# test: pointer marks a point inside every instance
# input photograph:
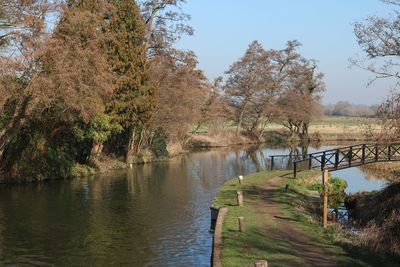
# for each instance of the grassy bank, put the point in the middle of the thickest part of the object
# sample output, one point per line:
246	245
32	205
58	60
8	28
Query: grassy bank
259	242
326	129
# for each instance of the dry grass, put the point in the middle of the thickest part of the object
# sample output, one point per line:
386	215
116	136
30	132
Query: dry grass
175	148
338	128
220	138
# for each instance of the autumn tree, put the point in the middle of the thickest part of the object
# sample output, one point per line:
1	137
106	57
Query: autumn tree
257	80
69	85
247	79
183	89
22	34
300	102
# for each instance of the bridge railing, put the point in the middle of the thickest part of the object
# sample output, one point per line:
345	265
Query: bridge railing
343	157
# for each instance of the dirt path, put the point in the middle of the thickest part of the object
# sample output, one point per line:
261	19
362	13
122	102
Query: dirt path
308	250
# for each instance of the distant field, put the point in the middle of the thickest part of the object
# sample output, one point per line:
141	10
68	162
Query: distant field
332	127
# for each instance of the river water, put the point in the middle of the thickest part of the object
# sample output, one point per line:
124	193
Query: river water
154	215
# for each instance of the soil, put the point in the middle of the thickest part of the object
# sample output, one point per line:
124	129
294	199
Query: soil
310	251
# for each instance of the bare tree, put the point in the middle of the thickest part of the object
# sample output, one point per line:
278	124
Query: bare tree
380	39
182	92
165	23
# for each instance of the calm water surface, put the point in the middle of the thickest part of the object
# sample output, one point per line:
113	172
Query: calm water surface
154	215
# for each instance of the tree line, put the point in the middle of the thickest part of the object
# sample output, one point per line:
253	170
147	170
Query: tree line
346	109
80	79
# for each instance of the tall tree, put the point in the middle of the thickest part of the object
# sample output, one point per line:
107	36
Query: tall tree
182	92
22	34
133	103
300	103
70	84
247	79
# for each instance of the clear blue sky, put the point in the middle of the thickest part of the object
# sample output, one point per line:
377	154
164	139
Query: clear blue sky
225	28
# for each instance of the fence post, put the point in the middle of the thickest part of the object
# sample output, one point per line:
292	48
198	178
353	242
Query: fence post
241	224
323	162
272	163
389	152
325	181
350	155
376	152
294	169
239	198
363	154
337	158
310	162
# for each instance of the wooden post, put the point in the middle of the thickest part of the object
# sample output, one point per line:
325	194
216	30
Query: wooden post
376	152
241	224
323	161
240	177
337	159
334	216
310	162
294	169
261	264
350	155
272	163
239	198
389	152
325	182
363	154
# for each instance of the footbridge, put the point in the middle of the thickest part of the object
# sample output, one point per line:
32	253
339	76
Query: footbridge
343	157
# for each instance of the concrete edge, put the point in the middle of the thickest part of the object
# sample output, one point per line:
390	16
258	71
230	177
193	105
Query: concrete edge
217	239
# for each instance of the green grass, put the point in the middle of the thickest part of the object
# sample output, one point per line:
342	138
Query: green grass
258	243
255	243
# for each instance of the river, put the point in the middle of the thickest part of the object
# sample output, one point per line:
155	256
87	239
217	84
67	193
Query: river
154	215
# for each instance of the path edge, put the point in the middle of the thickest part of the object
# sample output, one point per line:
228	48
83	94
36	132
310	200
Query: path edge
217	238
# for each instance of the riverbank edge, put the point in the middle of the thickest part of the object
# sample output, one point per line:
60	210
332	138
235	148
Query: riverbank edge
335	240
105	163
217	238
271	139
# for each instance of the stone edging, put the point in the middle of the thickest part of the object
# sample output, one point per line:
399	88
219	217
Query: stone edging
217	239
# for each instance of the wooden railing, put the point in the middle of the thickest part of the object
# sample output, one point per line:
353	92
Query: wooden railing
344	157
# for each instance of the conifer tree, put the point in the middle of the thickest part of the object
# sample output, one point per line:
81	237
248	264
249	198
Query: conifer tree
133	103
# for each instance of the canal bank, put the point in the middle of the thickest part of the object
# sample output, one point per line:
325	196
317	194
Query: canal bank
283	227
155	214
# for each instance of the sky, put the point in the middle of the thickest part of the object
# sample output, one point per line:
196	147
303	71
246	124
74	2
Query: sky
225	28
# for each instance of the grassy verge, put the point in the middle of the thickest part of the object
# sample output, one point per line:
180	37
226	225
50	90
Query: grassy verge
255	243
258	242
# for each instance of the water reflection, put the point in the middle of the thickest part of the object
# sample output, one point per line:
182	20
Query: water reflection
154	215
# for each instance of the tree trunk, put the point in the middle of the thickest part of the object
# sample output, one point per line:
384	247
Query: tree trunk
240	119
97	148
131	147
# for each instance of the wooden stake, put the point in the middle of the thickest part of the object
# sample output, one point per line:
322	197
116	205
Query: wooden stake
239	198
240	179
261	264
241	224
325	181
334	216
